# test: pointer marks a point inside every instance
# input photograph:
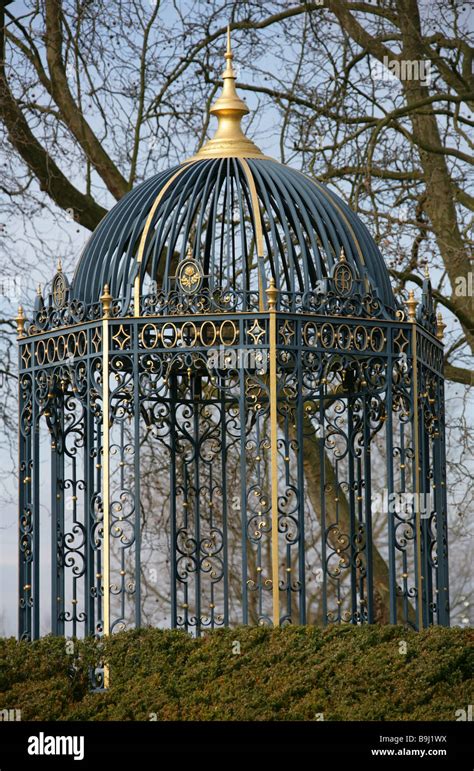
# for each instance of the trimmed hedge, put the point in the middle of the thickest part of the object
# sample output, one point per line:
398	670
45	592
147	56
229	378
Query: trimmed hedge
292	673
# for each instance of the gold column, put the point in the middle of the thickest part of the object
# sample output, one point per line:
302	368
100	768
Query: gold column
106	300
411	304
272	294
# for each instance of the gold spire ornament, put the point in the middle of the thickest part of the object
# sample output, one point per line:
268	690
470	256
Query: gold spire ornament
411	304
272	295
106	300
20	321
229	141
440	326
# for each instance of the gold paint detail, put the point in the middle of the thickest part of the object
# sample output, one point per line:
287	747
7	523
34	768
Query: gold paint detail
189	276
256	332
229	141
411	304
26	355
257	218
272	294
20	321
343	277
121	337
96	340
106	300
144	236
440	326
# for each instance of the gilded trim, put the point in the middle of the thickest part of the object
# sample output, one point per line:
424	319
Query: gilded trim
144	236
258	224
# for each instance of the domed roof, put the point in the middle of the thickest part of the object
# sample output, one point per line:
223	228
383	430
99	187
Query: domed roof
243	217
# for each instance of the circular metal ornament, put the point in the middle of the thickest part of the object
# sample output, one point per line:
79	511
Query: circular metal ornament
59	290
189	276
343	278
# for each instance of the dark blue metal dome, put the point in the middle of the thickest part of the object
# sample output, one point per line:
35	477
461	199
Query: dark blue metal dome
240	218
243	218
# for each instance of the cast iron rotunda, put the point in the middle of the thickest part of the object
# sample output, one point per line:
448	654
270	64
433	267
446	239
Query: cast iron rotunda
227	417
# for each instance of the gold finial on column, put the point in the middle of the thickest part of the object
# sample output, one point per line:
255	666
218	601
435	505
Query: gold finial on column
440	326
20	321
106	300
229	109
272	294
411	304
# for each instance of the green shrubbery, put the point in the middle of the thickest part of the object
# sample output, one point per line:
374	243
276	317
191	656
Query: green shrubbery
293	673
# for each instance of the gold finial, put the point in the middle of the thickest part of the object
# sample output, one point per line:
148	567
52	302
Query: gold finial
411	304
427	273
20	321
106	300
229	140
39	290
272	294
440	326
59	267
342	255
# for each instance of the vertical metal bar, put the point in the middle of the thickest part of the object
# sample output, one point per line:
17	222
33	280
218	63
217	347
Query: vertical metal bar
416	474
224	504
89	472
173	585
57	524
403	484
106	472
25	473
300	477
368	513
390	481
34	472
197	516
272	294
137	445
243	491
74	521
441	513
322	498
423	501
352	514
